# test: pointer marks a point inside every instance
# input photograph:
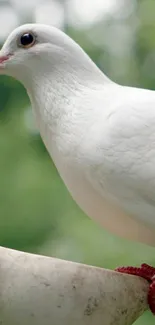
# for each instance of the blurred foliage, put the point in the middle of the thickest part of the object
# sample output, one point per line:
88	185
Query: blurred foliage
37	213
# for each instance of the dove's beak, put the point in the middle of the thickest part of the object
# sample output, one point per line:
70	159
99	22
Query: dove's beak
3	61
3	58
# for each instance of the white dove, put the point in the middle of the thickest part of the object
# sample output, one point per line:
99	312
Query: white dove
100	135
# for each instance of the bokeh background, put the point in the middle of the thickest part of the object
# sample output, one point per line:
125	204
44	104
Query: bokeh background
37	213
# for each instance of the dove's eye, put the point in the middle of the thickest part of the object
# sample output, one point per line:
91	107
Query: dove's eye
27	40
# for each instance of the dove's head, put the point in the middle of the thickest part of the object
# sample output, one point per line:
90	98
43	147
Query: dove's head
37	51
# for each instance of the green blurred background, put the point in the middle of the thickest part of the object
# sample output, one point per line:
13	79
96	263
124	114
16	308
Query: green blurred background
37	213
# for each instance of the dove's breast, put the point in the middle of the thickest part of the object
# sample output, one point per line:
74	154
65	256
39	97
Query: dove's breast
97	206
109	215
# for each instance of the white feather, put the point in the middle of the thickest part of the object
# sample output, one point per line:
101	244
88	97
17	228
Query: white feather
100	135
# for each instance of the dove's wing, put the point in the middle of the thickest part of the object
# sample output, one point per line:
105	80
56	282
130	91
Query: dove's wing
123	169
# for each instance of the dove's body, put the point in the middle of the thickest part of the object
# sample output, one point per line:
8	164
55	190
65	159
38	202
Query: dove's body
100	135
102	140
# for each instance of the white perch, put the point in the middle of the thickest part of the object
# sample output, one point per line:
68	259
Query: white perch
39	290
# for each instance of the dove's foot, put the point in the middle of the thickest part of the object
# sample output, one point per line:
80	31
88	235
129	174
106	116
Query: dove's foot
147	272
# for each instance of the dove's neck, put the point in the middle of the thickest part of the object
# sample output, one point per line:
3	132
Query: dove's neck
58	85
64	96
